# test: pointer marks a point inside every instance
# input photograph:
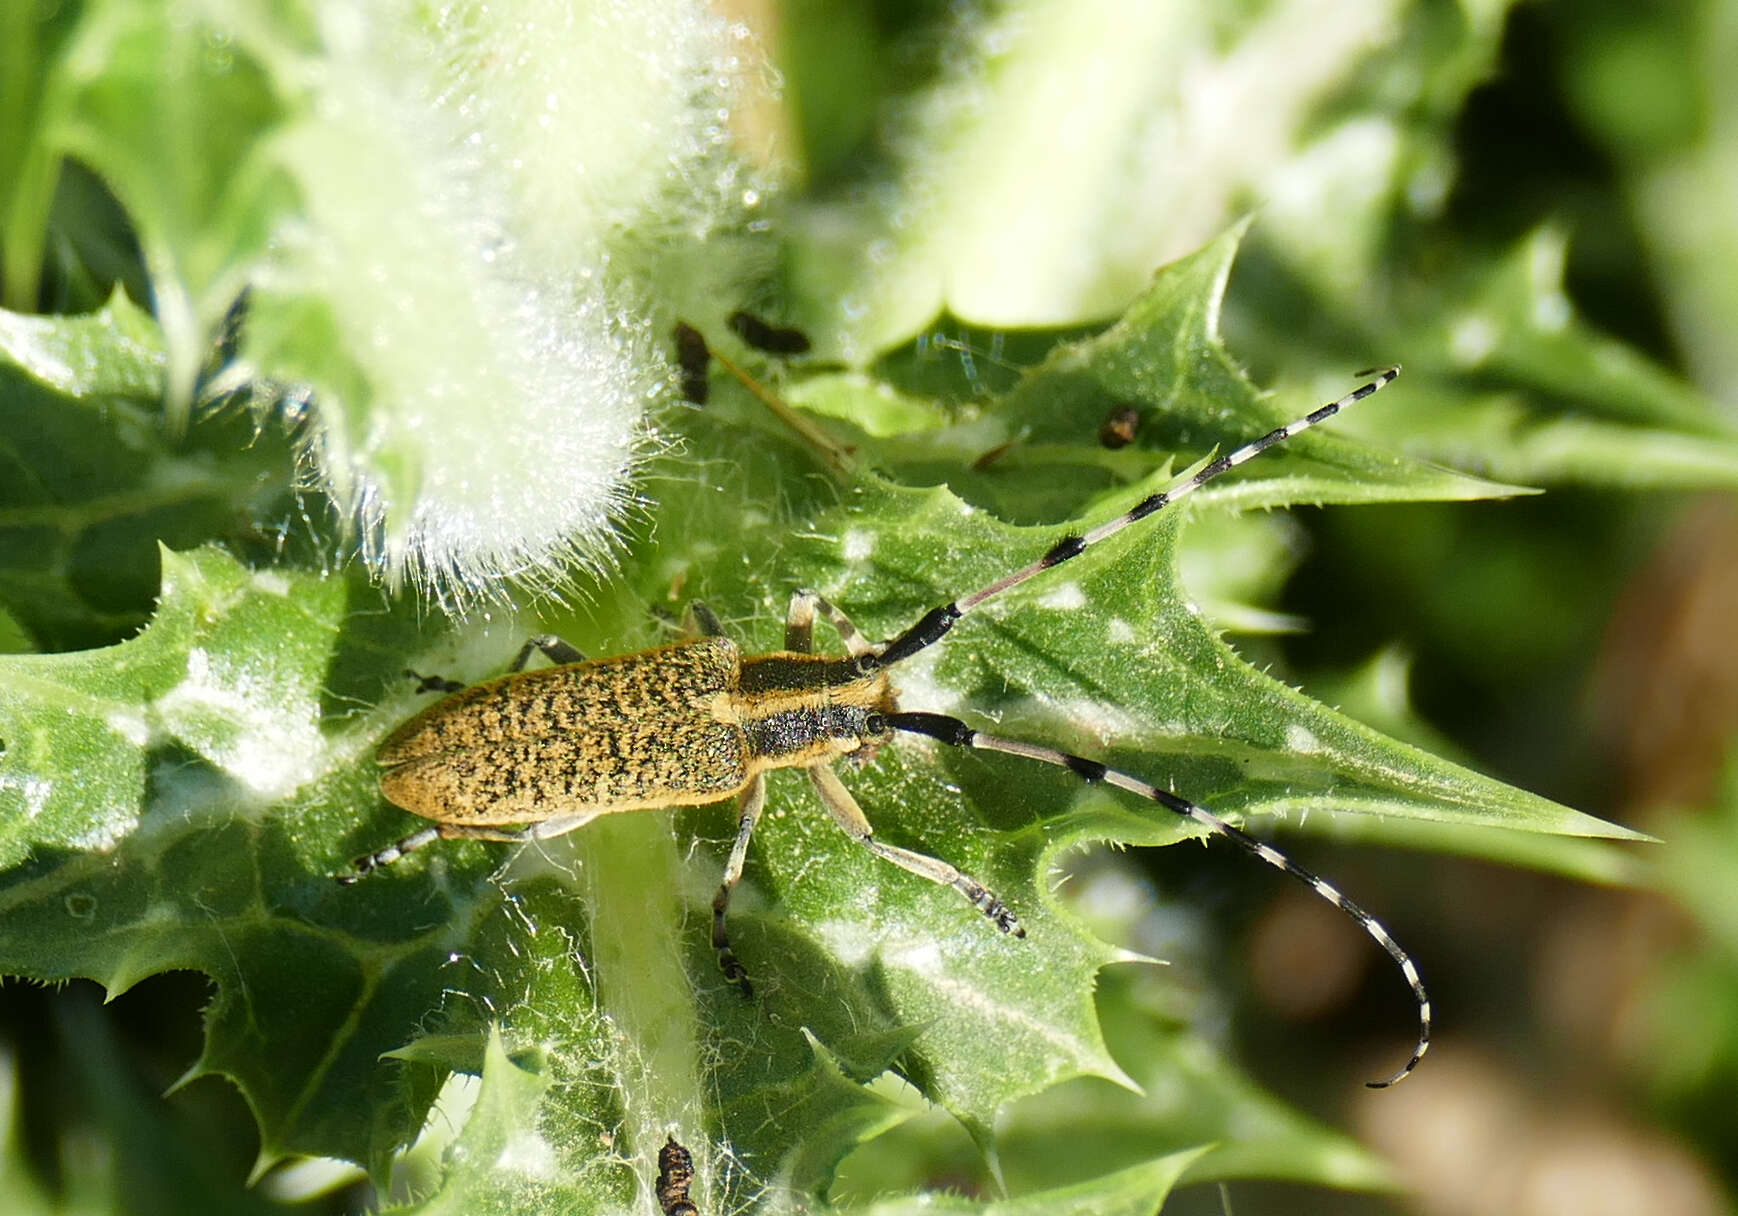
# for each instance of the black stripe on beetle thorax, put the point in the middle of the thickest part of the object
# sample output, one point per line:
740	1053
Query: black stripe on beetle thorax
783	675
796	708
797	735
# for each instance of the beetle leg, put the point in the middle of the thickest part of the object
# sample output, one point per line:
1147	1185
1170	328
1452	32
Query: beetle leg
560	652
543	829
433	683
700	621
367	864
800	625
556	825
851	820
747	815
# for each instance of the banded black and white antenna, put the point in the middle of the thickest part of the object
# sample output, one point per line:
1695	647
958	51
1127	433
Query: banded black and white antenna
935	624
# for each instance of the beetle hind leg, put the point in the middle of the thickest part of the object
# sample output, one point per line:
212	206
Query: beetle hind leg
370	862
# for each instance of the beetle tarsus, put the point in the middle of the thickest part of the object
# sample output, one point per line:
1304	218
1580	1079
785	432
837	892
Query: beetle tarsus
433	683
370	862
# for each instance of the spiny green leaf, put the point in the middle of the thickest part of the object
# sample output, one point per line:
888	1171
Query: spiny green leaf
1035	454
501	1161
91	479
225	684
1165	357
116	352
1190	1099
213	773
1377	694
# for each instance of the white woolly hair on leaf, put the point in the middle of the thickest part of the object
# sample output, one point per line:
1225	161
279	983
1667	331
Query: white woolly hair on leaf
599	116
481	360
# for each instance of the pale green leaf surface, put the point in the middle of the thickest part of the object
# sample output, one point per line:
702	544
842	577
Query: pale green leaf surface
1654	94
13	638
986	209
1514	318
171	115
1514	385
1139	1190
20	1190
30	38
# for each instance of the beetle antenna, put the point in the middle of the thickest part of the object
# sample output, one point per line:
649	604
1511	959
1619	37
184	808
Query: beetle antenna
955	733
934	624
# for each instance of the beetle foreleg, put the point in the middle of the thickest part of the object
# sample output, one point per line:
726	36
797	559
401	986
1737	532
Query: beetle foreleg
850	818
800	625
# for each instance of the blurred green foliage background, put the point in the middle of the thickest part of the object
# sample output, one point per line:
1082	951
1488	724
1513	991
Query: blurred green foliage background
1534	207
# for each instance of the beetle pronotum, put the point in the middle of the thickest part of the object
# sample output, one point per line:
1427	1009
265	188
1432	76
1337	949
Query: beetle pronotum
698	721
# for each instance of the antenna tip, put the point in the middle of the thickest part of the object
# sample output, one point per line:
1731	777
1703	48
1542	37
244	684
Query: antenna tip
1385	372
1404	1072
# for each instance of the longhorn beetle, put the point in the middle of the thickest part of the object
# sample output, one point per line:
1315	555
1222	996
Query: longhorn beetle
698	721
